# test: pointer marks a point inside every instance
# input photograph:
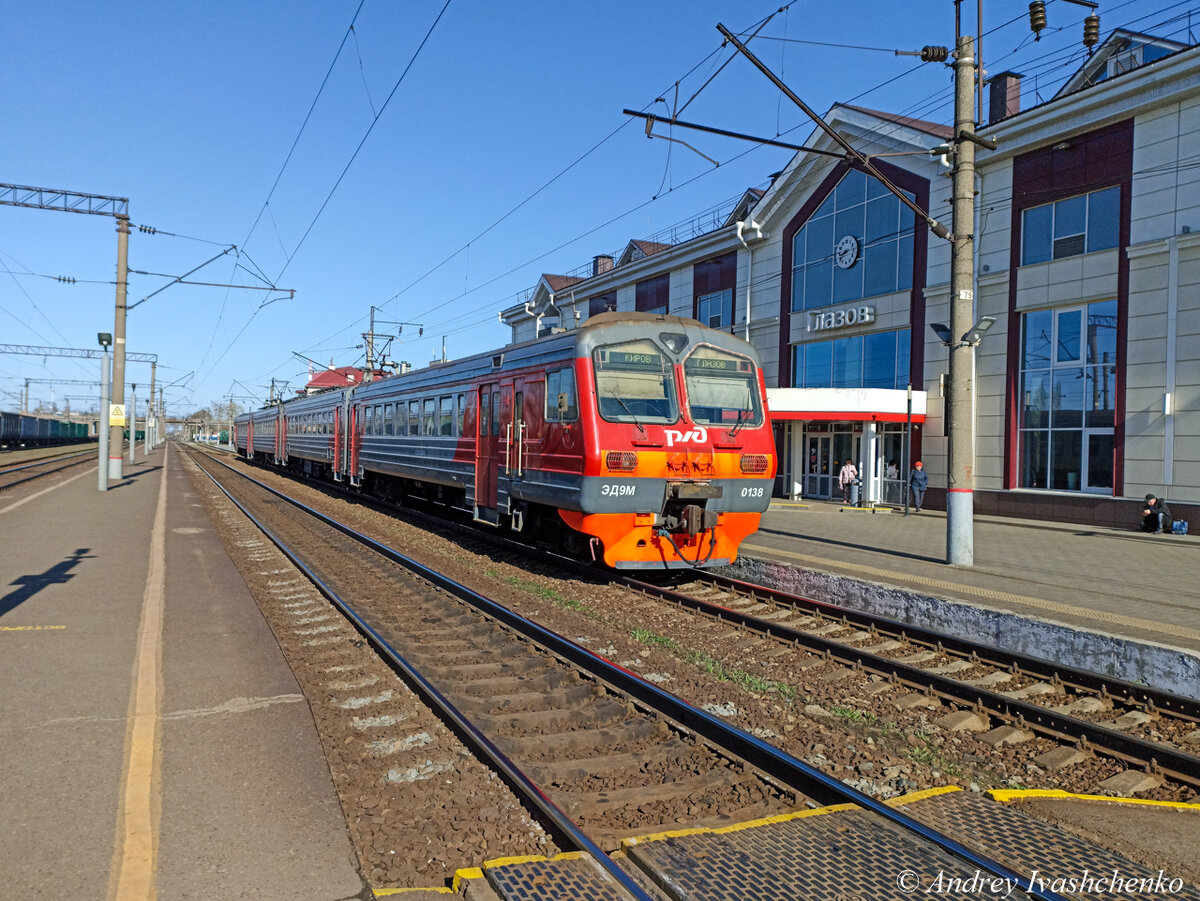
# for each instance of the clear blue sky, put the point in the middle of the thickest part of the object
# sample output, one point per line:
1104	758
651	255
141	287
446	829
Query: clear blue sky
501	154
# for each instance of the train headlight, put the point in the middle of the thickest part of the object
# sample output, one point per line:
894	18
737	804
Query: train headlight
620	461
754	463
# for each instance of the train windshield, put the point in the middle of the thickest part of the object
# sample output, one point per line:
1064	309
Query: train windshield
634	383
722	389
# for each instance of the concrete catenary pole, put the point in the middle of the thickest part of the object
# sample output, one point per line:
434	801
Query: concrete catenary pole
116	432
960	464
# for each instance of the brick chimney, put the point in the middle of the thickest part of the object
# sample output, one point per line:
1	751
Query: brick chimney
1004	99
601	264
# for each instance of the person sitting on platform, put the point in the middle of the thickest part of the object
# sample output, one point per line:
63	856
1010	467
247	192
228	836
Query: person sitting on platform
1156	515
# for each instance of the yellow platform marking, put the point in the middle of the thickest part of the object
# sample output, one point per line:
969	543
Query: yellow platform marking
1005	795
461	876
958	588
30	628
782	818
912	797
137	822
439	889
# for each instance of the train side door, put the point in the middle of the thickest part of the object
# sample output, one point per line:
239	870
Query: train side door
280	438
354	438
488	447
337	444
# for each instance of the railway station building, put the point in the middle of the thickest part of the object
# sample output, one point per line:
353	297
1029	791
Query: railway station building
1087	254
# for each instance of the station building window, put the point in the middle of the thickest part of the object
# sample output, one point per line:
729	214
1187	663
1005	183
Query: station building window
1068	397
602	303
859	243
653	295
877	360
715	310
1071	226
713	282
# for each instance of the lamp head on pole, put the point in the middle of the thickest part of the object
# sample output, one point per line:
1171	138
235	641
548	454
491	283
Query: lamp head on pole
978	330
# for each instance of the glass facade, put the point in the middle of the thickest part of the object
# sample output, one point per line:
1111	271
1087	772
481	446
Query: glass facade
859	243
1068	397
877	360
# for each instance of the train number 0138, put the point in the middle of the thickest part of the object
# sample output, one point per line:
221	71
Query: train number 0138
752	492
618	490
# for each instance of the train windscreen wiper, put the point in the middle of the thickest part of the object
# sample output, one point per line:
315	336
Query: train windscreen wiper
632	415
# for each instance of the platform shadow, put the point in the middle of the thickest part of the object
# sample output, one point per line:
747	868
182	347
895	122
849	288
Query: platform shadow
850	544
31	584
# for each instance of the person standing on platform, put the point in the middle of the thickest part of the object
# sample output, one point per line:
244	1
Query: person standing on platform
846	479
1156	515
918	481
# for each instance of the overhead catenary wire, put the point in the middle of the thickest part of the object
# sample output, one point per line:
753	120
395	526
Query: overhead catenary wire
933	103
341	176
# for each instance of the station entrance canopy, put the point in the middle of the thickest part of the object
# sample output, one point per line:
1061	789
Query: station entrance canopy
845	404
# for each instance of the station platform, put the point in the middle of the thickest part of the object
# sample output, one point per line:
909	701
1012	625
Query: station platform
1120	602
154	741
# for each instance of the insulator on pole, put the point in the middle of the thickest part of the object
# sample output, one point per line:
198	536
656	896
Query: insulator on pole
935	54
1091	31
1037	18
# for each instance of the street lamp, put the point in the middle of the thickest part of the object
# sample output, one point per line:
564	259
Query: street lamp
105	339
970	338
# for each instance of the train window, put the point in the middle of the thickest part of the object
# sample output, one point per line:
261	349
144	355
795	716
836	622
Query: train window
446	415
722	388
561	382
388	413
495	412
369	421
462	414
635	383
428	417
414	417
485	412
518	408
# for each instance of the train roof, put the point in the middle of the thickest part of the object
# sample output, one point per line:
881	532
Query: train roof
558	345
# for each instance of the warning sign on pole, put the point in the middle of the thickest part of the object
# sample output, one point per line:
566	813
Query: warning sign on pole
116	414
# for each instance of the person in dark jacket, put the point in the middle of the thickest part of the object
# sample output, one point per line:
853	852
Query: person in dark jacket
918	481
1156	515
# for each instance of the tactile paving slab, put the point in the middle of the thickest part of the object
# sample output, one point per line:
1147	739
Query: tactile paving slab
1034	848
570	877
839	855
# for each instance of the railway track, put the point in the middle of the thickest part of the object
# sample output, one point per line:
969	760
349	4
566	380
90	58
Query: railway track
1061	722
31	469
597	753
1008	698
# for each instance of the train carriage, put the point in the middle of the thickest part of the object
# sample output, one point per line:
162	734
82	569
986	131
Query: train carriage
647	436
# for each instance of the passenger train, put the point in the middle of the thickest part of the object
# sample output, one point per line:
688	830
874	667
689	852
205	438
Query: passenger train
646	436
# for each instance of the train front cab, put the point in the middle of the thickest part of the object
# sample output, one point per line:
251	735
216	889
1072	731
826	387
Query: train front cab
681	463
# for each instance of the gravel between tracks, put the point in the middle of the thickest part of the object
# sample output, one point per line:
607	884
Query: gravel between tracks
843	724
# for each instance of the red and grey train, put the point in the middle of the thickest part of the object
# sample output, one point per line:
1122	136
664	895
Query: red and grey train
646	436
